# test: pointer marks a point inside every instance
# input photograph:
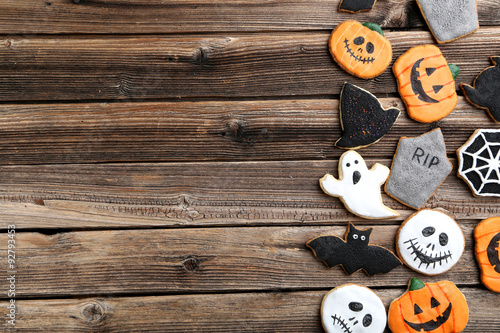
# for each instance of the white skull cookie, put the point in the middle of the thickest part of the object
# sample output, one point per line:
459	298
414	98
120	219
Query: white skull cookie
353	308
430	242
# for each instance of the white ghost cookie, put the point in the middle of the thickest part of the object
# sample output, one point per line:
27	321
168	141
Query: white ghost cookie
353	308
359	188
430	242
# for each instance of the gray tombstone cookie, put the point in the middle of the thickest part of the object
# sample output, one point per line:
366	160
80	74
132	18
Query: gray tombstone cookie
450	19
419	167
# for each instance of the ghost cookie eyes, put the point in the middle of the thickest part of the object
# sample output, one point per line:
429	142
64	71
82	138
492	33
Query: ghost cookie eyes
361	50
430	242
353	308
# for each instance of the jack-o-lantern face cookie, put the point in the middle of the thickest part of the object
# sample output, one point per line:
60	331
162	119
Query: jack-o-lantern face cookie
430	242
353	308
426	83
487	236
430	307
359	50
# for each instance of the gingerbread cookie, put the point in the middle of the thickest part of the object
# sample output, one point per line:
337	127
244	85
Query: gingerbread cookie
430	242
429	307
363	119
360	50
354	6
426	83
479	161
354	309
485	90
354	253
419	167
359	188
450	19
487	236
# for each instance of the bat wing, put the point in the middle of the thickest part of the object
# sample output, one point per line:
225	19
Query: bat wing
379	260
330	249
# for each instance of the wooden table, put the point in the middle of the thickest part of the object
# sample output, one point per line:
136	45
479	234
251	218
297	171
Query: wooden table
160	162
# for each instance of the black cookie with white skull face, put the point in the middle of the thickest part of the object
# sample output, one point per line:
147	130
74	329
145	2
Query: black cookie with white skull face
430	242
353	308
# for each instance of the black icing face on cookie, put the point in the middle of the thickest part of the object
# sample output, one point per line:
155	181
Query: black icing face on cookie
353	308
353	167
430	242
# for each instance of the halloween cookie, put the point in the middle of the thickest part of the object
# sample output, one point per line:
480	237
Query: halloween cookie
485	90
419	167
354	6
363	119
359	50
359	187
353	308
426	83
450	19
487	236
479	162
429	307
354	253
430	242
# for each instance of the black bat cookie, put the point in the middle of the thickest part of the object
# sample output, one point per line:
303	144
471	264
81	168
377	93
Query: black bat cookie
354	253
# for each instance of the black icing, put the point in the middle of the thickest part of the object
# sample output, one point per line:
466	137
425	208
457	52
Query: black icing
486	90
420	254
356	57
364	121
355	306
356	5
492	251
416	85
431	325
354	253
356	177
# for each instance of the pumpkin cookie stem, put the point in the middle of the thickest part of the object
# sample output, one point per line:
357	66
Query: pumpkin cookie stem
455	70
416	284
374	27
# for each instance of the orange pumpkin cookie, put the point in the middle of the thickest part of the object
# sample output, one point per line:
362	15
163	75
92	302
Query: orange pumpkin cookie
361	50
487	236
426	83
429	307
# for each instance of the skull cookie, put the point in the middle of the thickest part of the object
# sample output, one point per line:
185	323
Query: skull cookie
352	308
430	242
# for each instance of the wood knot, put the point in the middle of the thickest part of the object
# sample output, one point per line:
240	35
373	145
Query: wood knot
94	312
201	56
191	264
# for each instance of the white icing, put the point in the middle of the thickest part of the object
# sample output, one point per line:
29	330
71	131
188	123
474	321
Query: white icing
336	305
413	242
363	198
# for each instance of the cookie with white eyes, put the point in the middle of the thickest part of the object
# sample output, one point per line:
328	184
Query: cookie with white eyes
352	308
430	242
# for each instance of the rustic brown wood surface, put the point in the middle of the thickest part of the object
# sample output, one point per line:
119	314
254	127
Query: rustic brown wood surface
160	163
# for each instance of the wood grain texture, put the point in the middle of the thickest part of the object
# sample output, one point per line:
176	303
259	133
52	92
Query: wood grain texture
154	16
197	194
198	260
287	312
202	131
222	66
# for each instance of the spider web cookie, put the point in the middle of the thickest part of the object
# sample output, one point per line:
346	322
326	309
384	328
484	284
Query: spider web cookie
479	162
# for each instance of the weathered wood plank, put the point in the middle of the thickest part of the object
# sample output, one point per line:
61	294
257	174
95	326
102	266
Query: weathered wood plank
256	312
201	131
284	64
197	260
153	16
196	194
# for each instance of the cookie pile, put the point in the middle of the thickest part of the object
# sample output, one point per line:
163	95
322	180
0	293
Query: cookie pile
429	241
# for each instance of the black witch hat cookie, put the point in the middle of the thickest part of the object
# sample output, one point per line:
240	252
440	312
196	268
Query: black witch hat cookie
354	6
485	90
354	253
363	119
479	162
